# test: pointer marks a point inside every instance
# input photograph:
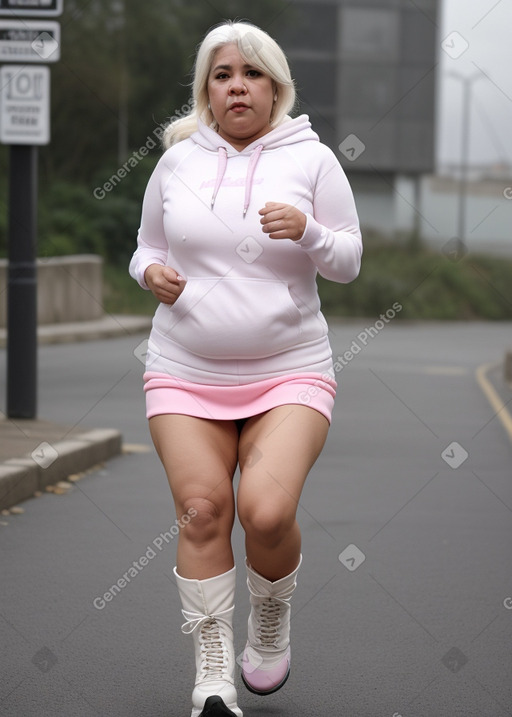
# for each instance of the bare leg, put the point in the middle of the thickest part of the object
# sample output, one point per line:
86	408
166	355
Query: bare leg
277	450
199	457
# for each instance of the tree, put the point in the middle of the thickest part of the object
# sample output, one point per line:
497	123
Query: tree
125	69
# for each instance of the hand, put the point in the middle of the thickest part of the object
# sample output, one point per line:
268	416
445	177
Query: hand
282	221
165	283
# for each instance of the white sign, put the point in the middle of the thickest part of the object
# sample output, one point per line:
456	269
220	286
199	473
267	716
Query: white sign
24	104
36	41
17	8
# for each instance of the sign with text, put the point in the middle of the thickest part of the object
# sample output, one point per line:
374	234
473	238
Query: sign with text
29	41
34	8
24	104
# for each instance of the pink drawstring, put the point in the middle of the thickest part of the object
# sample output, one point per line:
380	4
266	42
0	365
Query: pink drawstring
250	174
221	169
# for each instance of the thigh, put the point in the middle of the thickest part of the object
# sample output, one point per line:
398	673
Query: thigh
277	451
199	457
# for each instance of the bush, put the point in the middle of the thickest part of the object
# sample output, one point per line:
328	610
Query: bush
73	221
426	283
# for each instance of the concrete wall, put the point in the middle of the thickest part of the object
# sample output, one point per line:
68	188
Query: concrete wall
69	289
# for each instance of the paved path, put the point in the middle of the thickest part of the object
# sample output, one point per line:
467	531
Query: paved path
403	605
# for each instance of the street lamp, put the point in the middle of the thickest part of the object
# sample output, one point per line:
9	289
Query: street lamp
467	83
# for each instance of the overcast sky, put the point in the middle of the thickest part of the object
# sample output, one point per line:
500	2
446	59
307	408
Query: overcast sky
486	27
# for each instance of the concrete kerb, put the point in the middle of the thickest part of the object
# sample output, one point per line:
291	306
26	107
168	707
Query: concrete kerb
507	367
21	477
105	328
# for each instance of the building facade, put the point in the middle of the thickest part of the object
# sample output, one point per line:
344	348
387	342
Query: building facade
366	74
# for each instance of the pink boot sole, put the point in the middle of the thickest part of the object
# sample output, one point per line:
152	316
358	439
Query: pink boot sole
266	682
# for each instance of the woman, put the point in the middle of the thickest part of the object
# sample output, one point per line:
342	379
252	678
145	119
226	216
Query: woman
241	212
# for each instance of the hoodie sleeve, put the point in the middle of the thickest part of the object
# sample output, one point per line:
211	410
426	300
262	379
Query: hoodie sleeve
152	245
332	237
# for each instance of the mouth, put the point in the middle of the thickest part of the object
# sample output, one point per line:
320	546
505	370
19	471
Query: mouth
238	107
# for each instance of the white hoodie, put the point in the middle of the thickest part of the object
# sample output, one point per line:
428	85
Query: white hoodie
250	308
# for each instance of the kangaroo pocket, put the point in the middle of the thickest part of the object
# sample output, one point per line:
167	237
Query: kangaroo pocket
231	318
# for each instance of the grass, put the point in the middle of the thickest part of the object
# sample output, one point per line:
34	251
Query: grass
427	284
122	295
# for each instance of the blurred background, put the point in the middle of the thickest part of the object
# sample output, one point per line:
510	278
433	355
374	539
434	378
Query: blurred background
413	96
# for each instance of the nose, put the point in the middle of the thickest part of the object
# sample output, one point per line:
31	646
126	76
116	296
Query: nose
237	86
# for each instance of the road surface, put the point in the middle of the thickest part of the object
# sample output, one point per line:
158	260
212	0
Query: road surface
404	604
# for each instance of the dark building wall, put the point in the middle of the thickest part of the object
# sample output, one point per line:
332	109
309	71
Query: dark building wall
366	70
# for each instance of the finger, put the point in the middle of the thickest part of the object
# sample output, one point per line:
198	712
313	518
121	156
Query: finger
271	207
279	235
275	225
171	275
166	297
272	217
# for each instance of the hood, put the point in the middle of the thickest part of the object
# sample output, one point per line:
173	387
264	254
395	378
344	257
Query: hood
289	132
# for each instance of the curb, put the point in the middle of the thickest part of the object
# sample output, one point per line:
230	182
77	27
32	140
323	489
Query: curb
493	394
507	366
21	477
108	327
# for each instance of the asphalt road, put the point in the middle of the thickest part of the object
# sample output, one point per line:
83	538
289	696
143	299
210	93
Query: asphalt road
404	603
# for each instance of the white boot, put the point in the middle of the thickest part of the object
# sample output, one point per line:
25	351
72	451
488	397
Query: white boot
266	660
208	607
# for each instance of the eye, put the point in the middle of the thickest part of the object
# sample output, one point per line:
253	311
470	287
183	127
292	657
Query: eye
221	76
254	73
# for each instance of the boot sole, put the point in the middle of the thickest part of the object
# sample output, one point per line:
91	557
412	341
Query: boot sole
215	707
266	692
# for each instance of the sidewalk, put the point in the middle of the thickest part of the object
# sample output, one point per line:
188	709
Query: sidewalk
109	326
35	454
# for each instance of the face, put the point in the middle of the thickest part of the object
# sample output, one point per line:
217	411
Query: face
241	98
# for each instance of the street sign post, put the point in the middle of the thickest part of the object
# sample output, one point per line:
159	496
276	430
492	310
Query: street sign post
24	124
31	8
29	41
22	284
24	104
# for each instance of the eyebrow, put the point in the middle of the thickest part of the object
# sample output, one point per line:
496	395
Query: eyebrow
230	67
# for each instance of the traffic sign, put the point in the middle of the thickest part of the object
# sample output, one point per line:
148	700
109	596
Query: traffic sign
17	8
24	104
29	41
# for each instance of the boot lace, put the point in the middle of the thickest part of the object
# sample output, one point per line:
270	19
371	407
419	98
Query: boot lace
214	657
269	620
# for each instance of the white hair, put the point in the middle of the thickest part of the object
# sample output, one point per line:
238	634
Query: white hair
257	49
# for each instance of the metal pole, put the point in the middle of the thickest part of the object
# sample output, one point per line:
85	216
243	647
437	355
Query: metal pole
22	284
464	161
467	86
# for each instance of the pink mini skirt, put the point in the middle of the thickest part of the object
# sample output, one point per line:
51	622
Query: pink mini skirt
169	394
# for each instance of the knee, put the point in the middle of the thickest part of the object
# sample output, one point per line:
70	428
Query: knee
207	521
266	525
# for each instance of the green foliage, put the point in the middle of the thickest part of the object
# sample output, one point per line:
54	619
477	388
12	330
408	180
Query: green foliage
72	220
125	69
426	283
122	295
